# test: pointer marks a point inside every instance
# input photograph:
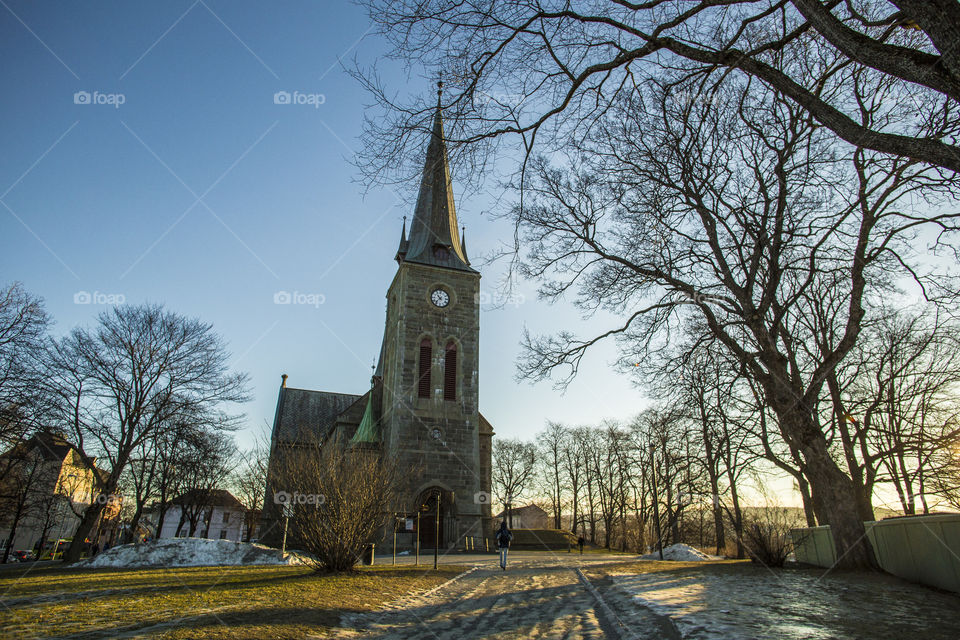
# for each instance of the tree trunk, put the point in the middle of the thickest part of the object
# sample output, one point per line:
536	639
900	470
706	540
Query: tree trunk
804	488
89	520
832	492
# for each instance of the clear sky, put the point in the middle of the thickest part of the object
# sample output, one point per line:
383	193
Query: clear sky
146	158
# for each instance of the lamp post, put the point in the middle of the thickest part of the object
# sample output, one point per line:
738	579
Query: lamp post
656	501
436	540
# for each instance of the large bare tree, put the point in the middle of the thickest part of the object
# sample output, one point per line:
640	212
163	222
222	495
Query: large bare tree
545	70
120	383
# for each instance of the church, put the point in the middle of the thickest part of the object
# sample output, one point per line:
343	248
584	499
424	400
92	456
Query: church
422	406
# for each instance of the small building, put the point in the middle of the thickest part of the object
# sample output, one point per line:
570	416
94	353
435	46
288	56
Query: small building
204	513
528	517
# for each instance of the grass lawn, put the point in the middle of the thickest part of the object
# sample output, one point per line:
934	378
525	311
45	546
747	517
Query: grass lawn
197	602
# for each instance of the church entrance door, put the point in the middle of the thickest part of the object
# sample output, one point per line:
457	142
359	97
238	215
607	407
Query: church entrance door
428	505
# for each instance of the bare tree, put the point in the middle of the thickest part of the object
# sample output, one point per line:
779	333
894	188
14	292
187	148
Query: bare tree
339	498
120	383
544	72
204	470
21	491
23	328
249	480
513	469
550	444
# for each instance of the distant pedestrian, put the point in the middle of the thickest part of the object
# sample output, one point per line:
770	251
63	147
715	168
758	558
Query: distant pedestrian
580	544
503	543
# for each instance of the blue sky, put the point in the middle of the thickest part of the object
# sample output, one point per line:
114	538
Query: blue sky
145	157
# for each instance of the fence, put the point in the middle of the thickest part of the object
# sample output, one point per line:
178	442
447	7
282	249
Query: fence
924	549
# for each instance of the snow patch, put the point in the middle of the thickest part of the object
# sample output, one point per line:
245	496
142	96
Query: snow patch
679	552
189	552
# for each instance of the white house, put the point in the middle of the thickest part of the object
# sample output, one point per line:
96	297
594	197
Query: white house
216	514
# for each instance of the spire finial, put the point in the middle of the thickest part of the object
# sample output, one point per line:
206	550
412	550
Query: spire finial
439	88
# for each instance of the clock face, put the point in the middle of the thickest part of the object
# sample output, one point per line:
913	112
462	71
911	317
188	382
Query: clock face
440	298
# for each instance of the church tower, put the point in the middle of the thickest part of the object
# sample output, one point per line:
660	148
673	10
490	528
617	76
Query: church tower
429	362
421	410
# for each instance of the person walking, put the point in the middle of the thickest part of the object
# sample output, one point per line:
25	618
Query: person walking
580	544
503	543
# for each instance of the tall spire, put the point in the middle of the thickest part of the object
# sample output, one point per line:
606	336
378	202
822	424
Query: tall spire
434	234
402	249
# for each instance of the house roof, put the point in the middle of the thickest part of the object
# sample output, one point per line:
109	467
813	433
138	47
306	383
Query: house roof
530	509
52	446
210	498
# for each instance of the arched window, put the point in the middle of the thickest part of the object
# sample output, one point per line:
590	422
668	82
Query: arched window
423	381
450	371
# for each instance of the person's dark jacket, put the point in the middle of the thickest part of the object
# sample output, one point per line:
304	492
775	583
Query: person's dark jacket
504	537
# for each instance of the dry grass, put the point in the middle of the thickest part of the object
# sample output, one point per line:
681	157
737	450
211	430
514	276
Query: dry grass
199	602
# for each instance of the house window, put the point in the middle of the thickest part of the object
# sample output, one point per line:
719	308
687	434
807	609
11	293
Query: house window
423	380
450	372
223	534
226	516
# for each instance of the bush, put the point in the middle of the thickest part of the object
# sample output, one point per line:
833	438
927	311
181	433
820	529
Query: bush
340	497
766	536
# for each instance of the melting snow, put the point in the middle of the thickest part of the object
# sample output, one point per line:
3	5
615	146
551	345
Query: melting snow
792	605
678	552
189	552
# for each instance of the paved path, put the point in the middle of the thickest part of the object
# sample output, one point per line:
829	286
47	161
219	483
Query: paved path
539	596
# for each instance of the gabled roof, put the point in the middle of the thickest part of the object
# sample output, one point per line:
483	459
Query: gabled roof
51	446
209	498
303	414
434	234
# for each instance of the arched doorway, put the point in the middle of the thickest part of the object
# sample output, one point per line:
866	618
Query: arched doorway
434	501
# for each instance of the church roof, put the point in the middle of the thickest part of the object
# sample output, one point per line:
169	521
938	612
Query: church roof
434	234
303	414
368	432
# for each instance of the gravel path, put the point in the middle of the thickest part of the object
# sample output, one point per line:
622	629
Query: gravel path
543	597
567	597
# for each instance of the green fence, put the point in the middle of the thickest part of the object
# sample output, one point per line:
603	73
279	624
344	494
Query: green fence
924	549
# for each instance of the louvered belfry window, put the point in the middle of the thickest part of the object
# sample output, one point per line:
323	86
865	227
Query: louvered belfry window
450	372
426	355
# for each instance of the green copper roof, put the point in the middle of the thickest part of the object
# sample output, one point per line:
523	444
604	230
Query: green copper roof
368	430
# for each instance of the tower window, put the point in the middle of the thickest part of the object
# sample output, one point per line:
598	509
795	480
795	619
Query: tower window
450	372
426	355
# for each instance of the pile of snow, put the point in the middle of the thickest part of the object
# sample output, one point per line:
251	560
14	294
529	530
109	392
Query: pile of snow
678	552
189	552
